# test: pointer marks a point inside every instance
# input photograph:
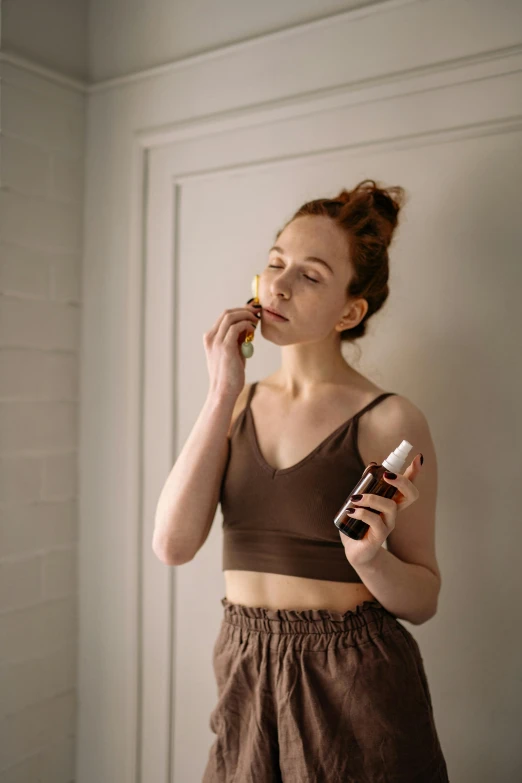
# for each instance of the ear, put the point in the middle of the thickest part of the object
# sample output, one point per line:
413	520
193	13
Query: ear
355	314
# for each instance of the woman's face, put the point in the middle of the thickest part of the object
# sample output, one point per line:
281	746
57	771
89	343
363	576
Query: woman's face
310	294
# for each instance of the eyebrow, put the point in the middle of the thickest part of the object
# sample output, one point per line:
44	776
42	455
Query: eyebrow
308	258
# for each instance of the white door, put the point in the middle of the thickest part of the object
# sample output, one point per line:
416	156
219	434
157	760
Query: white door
214	203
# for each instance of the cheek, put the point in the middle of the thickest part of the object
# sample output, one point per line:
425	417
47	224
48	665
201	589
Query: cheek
327	306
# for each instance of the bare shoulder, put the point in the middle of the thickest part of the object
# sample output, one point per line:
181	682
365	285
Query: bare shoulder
239	405
398	409
393	419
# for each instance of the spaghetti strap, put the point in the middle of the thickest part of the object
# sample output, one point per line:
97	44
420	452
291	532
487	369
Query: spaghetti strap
374	402
250	395
241	415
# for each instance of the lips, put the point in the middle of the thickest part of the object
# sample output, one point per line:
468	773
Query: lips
275	312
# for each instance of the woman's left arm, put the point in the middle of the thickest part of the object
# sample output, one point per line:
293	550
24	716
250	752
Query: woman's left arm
404	578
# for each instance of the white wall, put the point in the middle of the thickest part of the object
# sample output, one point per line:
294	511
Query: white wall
41	211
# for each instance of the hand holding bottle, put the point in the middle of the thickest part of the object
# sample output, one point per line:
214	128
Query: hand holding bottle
380	514
225	362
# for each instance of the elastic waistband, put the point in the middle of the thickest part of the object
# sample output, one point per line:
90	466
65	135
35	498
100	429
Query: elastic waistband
367	615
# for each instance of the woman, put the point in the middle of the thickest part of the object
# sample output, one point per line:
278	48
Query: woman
317	678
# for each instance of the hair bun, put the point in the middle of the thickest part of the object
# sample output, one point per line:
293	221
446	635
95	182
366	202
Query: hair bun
387	202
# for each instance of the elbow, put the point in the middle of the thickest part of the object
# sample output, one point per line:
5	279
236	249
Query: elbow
426	615
434	608
429	612
169	556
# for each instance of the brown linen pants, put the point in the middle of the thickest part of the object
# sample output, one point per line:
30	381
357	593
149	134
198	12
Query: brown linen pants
316	696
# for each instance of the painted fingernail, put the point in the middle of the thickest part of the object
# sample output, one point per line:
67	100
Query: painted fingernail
250	300
422	459
350	511
390	475
356	497
256	305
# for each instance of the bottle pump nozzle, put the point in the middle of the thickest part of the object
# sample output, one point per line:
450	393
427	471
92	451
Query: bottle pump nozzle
396	459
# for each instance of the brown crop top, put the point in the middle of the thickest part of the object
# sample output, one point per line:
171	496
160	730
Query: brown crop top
281	521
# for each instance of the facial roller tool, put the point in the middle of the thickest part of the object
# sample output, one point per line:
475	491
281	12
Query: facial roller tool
247	348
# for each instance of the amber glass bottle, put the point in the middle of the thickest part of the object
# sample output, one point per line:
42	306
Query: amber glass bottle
371	482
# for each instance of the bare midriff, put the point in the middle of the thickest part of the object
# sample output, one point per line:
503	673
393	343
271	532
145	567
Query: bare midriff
277	591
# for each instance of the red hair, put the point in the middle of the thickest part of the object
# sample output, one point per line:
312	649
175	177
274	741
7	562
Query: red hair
368	215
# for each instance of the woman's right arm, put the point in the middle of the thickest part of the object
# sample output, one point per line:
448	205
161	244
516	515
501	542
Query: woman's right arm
188	501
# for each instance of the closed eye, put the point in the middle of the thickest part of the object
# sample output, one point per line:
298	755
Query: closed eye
309	278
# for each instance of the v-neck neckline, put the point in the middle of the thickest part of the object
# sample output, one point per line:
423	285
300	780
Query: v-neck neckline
282	471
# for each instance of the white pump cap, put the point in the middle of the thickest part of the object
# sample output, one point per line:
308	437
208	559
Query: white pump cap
395	461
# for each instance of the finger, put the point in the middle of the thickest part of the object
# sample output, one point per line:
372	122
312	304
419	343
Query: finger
222	323
238	332
256	306
380	526
231	319
405	487
414	468
378	502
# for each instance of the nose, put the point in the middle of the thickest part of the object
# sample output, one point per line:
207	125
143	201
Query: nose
280	283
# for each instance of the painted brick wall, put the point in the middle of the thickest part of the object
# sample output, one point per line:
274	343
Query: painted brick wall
41	192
